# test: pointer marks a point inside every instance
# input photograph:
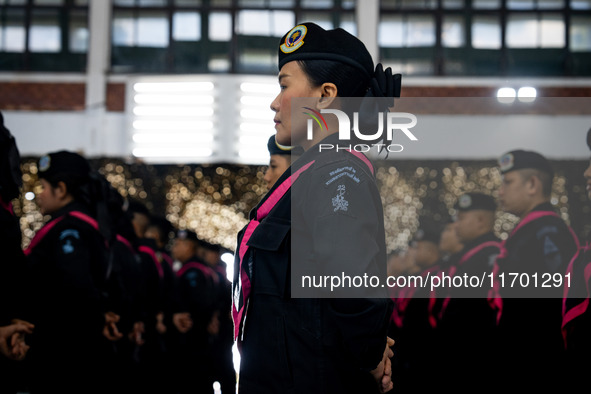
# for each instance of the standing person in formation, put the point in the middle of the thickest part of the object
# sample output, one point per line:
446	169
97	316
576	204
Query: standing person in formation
12	268
280	160
416	337
220	329
315	345
67	272
449	248
466	325
127	296
160	231
156	274
529	352
197	295
576	313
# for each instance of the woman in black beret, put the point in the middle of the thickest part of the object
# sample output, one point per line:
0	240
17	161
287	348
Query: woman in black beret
67	264
280	160
323	216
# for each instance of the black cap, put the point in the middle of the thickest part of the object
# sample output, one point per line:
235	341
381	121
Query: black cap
55	164
427	233
276	149
10	170
589	138
522	159
308	41
135	206
210	246
474	201
187	235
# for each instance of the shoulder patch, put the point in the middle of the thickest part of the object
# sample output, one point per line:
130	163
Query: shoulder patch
549	247
67	247
69	233
347	171
339	202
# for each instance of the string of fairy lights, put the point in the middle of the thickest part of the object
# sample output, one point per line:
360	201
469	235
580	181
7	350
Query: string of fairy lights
214	200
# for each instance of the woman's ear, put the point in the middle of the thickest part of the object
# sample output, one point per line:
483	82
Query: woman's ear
328	93
533	184
61	190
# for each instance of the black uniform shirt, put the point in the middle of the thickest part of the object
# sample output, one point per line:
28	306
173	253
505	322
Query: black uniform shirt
530	343
329	222
11	267
67	271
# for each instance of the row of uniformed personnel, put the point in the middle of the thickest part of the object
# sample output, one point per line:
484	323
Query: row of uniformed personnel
531	335
99	301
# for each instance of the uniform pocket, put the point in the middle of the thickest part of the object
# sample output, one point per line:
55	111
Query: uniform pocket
270	249
270	234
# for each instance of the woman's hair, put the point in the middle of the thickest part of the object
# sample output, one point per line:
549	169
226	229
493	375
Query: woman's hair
76	185
350	82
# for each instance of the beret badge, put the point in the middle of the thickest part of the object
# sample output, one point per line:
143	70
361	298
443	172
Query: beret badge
506	162
465	201
44	163
294	39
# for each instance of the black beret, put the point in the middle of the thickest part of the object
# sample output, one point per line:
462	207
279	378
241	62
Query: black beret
589	138
187	235
522	159
56	164
276	149
10	170
427	233
210	246
135	206
308	41
473	201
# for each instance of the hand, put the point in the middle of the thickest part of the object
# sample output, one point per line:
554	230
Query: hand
160	326
383	372
135	336
110	330
213	328
12	339
182	321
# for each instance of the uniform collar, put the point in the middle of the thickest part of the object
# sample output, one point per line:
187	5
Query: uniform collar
545	206
479	240
72	206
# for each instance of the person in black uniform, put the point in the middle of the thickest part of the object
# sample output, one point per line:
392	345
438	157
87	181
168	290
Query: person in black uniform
12	267
280	160
466	325
127	297
159	230
156	275
576	313
221	328
67	270
315	345
197	288
414	348
530	352
449	249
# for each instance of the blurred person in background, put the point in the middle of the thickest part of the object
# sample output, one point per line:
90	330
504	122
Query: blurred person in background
413	350
465	330
67	274
198	296
576	313
529	353
12	269
280	160
220	329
